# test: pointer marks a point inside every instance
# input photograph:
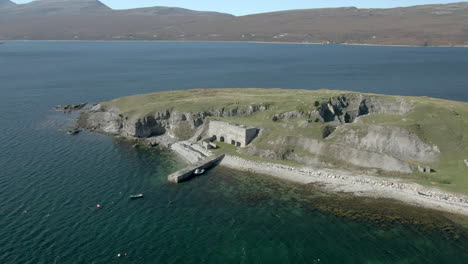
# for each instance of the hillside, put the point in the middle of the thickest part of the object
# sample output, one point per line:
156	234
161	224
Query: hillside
378	134
6	3
92	20
55	7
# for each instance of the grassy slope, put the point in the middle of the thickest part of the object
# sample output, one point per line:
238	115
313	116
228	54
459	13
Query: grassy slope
209	99
436	121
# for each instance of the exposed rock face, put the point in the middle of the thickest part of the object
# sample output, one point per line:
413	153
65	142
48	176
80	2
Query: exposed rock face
70	107
327	131
346	108
383	147
287	115
394	141
102	120
327	112
181	125
358	155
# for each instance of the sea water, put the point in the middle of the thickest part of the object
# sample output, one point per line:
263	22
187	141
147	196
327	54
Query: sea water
50	182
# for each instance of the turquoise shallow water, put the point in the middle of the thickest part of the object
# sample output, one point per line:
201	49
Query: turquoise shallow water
50	182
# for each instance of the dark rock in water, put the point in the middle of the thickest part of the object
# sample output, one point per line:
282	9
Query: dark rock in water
73	132
70	107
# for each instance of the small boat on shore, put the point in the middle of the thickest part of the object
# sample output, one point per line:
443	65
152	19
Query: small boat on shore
199	171
136	196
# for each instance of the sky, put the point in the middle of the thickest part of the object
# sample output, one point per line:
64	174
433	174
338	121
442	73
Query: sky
244	7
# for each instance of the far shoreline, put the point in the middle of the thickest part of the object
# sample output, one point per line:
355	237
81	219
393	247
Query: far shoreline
239	41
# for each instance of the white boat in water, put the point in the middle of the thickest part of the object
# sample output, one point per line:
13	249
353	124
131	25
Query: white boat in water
136	196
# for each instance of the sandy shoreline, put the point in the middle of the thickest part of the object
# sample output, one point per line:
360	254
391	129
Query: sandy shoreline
360	185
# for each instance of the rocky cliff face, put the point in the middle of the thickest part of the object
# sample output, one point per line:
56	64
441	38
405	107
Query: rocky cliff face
390	148
314	152
346	108
394	141
181	125
386	148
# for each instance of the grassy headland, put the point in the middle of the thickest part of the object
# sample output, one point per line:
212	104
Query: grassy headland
414	131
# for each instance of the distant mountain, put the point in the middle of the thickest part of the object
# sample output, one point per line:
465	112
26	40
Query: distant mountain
56	7
163	10
6	3
92	20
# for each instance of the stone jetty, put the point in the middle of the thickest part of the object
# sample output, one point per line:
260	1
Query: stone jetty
188	172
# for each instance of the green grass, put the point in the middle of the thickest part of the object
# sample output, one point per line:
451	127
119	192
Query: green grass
435	121
212	99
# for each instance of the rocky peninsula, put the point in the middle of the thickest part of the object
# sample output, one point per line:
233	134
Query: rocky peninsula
411	149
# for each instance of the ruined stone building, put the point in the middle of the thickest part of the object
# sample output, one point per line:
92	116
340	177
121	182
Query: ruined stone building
425	169
238	135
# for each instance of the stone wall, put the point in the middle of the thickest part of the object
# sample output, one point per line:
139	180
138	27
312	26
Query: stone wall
424	169
238	135
251	134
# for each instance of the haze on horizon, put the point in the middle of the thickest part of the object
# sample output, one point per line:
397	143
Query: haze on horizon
245	7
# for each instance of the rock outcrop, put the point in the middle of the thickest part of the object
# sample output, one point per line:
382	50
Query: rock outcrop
312	152
392	140
70	107
346	108
287	115
180	125
389	148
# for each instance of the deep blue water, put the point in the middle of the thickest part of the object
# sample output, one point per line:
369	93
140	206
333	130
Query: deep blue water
50	182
